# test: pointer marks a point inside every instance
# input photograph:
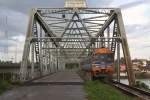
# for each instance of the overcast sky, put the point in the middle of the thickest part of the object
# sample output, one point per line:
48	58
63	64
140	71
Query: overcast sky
135	14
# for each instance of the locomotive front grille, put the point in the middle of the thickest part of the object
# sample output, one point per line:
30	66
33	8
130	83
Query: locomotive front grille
97	72
103	71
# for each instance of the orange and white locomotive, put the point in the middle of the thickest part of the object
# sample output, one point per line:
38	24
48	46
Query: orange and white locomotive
101	64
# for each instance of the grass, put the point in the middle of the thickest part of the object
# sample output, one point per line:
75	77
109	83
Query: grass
99	91
4	85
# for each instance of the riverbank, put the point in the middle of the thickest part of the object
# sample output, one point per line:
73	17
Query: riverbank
98	91
138	75
142	75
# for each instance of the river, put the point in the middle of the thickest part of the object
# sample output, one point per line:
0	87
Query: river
146	81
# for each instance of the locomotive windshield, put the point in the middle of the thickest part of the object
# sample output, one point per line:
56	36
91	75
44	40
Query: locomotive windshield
104	56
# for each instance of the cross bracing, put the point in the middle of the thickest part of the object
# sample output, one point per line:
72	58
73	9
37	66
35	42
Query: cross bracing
59	35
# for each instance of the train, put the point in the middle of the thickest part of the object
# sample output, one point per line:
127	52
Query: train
100	64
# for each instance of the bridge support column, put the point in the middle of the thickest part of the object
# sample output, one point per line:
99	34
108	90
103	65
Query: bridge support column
32	60
24	64
118	61
125	48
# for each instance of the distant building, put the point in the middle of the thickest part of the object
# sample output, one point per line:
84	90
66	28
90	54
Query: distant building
140	64
144	62
137	65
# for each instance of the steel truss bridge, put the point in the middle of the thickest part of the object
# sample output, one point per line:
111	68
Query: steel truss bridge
57	36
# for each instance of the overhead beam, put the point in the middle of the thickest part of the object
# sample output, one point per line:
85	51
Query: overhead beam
45	27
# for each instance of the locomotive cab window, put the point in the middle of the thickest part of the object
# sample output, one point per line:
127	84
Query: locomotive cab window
105	56
110	57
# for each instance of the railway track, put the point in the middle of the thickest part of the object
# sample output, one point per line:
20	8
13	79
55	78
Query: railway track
141	94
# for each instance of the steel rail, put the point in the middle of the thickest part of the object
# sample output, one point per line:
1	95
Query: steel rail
141	94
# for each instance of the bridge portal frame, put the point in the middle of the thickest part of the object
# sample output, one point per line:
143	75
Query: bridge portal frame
34	38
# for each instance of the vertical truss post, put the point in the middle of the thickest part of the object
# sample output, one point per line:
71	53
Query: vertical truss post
118	61
40	69
99	43
56	58
40	53
125	48
32	60
53	59
108	36
24	63
45	59
48	57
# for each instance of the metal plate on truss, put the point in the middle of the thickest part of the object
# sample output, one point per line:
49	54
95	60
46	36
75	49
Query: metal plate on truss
75	3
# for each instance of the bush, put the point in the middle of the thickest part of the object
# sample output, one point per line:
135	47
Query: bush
4	85
17	83
141	85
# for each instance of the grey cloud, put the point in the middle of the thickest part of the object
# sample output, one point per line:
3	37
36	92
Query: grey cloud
133	4
17	11
25	5
6	43
137	30
99	3
16	22
132	28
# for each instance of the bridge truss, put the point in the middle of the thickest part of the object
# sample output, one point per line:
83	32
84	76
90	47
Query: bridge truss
57	36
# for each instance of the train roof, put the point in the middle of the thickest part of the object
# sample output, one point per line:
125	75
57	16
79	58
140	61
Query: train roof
103	51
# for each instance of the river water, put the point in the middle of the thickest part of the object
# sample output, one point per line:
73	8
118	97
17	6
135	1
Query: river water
146	81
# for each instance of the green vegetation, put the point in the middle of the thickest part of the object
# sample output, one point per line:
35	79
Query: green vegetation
72	65
141	75
17	83
4	85
83	74
5	76
99	91
5	62
142	85
8	84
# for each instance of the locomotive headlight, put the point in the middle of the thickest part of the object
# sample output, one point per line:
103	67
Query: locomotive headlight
109	66
96	66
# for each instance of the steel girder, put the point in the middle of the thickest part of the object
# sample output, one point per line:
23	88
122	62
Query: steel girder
64	29
125	48
34	17
119	31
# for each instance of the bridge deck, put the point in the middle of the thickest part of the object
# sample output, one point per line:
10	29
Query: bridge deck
43	89
65	76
